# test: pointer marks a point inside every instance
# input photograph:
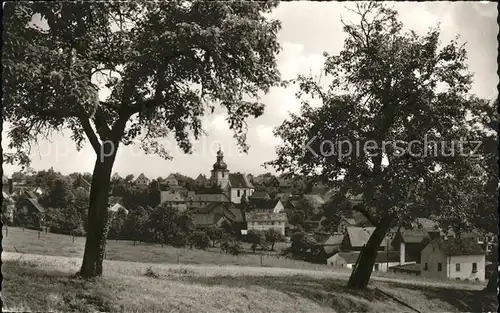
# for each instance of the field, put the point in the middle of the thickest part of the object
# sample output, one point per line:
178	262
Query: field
40	278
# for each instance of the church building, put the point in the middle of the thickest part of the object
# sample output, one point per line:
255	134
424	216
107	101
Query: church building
235	185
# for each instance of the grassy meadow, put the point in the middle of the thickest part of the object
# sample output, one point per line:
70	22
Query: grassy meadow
39	276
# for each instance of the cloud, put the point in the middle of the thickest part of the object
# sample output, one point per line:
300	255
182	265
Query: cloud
265	135
293	61
219	122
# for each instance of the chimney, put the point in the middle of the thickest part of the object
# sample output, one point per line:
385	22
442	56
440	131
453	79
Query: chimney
402	252
10	184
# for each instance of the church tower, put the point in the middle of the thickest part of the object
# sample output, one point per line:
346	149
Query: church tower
220	173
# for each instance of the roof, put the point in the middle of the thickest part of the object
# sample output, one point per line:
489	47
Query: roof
222	208
382	257
359	236
458	246
258	216
350	221
6	197
116	207
142	176
334	240
209	197
413	235
260	195
283	196
314	200
203	219
201	178
33	200
171	177
238	180
407	268
263	204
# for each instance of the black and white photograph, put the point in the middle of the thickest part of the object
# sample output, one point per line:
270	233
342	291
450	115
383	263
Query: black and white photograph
249	156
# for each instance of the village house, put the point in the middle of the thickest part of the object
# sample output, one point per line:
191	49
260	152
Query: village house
383	261
266	214
410	242
117	207
171	180
142	180
216	213
196	201
257	195
201	180
331	244
266	205
453	258
356	237
283	196
344	223
174	199
27	201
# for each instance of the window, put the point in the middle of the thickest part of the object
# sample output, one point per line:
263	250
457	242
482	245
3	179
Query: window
426	266
376	267
457	267
238	193
474	267
222	174
440	267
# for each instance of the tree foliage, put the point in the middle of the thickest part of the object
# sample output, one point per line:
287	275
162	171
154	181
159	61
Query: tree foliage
199	240
165	66
387	86
273	236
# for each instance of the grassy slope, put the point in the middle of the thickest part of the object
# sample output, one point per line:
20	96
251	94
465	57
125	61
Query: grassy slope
53	244
44	283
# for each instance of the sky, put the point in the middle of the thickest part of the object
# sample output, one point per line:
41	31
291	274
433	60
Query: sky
308	29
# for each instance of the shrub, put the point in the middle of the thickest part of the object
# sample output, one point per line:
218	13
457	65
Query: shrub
200	240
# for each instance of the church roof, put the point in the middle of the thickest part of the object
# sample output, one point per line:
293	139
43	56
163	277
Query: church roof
238	180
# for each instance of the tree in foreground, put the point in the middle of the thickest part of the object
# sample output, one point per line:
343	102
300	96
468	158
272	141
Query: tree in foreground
273	236
200	240
388	128
256	238
164	64
215	234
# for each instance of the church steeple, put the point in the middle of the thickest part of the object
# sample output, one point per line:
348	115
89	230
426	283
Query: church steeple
220	165
220	173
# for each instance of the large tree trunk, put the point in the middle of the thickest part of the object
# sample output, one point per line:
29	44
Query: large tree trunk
361	275
95	245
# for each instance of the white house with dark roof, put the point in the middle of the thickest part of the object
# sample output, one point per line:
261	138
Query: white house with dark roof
453	258
142	180
171	180
266	214
383	261
236	184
